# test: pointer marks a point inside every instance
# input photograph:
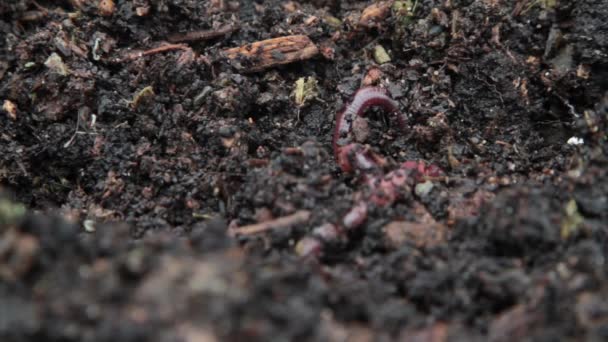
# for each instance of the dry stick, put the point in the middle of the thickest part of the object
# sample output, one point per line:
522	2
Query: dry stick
258	55
185	37
164	48
299	217
202	35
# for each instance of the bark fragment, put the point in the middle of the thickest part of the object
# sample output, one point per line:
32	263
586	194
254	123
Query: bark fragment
398	233
374	14
271	52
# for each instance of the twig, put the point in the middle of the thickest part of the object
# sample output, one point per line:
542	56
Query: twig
299	217
491	86
40	7
163	48
202	35
566	103
69	142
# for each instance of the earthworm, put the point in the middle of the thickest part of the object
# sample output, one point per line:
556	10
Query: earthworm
382	189
363	99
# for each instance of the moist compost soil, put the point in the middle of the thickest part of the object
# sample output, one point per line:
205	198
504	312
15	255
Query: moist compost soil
129	156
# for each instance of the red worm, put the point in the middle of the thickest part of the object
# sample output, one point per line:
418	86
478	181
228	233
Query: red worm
364	98
382	189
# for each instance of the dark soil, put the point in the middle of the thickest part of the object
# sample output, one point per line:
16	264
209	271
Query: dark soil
122	174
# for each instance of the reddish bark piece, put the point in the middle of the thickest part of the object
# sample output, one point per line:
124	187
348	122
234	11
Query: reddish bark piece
374	14
272	52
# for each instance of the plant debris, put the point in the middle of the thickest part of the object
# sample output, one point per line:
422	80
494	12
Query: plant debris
380	55
264	54
168	170
305	90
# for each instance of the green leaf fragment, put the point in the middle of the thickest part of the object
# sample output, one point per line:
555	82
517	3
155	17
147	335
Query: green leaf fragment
10	212
548	3
332	21
380	55
403	7
423	189
404	11
572	221
305	90
147	92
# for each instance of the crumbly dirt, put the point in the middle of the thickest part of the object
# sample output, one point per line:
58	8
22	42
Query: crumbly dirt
130	156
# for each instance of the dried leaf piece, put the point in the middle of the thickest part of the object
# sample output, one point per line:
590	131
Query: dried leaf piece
440	17
11	109
56	64
145	93
372	77
328	49
272	52
142	11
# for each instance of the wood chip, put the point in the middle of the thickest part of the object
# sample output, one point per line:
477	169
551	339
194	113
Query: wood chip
398	233
374	14
11	109
272	52
372	77
106	7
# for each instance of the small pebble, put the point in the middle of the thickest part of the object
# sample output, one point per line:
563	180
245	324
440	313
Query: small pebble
89	226
575	141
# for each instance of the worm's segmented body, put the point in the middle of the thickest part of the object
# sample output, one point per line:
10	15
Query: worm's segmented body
380	188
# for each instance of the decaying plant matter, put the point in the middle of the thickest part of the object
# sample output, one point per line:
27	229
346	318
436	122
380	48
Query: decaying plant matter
271	52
